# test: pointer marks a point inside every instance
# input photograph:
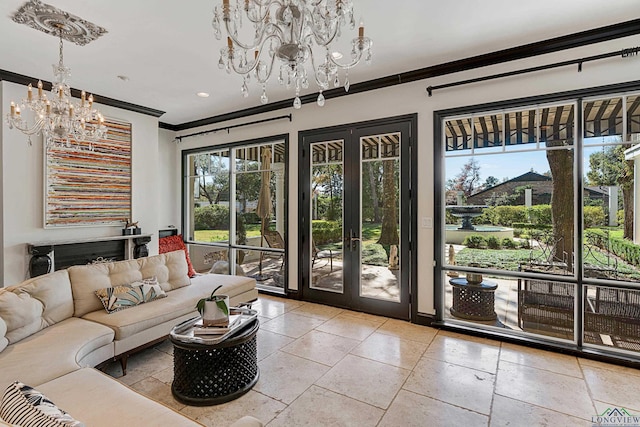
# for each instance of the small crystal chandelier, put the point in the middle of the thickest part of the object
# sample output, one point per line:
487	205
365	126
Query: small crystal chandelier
59	118
288	30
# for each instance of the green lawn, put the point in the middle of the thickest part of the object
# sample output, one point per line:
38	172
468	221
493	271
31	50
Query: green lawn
253	230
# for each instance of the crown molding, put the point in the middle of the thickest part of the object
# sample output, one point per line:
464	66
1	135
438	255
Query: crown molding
25	80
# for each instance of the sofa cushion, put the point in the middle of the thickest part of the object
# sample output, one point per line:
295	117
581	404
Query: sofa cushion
128	296
174	243
35	304
24	405
126	323
117	404
170	270
3	330
52	352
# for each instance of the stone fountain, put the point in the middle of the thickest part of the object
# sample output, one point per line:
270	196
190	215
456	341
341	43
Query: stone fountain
467	213
457	234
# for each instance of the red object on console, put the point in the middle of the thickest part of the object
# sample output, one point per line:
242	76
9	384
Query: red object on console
173	243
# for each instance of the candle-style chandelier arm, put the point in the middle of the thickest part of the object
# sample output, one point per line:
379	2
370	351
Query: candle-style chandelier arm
269	29
359	50
316	73
251	66
266	6
268	69
318	36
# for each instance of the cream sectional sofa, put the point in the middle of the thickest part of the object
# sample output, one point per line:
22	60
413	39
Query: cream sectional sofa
54	330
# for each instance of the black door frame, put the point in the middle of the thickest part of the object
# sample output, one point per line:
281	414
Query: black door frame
409	155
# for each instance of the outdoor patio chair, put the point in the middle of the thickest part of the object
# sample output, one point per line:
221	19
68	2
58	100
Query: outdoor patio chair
317	254
615	312
275	241
545	304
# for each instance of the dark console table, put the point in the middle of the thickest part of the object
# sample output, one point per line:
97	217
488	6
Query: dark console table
57	255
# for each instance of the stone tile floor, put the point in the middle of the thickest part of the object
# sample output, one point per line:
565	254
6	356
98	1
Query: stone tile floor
323	366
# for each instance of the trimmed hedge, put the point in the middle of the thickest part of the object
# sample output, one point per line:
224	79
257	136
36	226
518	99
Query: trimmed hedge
532	226
325	232
510	216
211	217
620	247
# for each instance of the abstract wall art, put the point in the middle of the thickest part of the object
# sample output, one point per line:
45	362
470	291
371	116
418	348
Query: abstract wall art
89	187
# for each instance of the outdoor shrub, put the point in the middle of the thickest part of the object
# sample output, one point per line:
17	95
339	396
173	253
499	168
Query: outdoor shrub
620	216
251	218
593	216
524	244
619	246
517	232
506	215
493	242
508	243
326	232
211	217
449	218
540	214
532	226
474	241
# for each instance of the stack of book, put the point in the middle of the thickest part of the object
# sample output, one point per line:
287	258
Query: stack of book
200	329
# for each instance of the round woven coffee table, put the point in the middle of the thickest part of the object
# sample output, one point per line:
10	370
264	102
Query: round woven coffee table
210	374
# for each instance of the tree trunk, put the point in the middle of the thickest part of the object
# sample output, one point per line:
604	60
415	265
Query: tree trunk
389	232
561	166
374	194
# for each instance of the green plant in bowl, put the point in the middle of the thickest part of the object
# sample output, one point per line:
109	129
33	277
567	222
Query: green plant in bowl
218	299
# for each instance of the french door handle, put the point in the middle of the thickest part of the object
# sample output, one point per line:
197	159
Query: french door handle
353	240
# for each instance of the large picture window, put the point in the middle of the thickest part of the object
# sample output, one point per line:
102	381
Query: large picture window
234	198
538	227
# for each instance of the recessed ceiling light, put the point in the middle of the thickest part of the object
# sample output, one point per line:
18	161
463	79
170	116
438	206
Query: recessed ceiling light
336	55
203	94
123	78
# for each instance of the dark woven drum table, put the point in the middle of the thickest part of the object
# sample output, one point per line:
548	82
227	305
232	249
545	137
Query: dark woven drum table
209	374
473	301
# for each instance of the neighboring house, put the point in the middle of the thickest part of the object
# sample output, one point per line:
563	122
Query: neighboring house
541	186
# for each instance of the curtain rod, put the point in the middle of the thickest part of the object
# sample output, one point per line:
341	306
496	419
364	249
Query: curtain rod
624	53
228	128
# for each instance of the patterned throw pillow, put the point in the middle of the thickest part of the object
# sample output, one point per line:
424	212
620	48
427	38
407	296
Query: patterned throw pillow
174	243
127	296
24	406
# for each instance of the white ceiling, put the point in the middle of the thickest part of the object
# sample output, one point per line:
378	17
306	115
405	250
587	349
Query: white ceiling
168	50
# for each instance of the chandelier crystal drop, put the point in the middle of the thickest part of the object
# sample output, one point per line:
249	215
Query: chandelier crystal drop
294	32
58	118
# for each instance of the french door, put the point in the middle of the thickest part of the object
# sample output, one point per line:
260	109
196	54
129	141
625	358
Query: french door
355	201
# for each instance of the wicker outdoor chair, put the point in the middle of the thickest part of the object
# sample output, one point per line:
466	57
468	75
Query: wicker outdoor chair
615	312
544	304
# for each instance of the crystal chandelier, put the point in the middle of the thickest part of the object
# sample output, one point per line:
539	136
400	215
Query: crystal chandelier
58	118
288	30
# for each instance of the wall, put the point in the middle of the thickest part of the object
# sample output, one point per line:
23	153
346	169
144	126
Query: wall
169	203
412	98
23	183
